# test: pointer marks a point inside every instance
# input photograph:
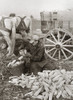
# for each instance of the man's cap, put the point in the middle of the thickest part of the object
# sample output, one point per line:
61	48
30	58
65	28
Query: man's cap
34	38
36	35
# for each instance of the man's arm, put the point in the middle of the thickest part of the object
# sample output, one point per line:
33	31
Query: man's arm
38	56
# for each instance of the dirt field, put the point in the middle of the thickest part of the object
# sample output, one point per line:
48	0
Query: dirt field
9	91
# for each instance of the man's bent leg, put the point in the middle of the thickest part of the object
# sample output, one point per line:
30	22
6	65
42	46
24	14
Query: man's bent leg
35	68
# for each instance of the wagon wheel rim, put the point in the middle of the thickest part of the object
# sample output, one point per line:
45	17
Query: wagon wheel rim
58	46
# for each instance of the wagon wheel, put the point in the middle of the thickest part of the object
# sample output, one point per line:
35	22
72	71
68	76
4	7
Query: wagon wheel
59	44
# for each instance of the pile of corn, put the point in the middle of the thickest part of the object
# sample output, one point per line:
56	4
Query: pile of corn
47	84
16	62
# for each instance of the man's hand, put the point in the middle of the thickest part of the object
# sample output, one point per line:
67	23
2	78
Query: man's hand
28	55
24	53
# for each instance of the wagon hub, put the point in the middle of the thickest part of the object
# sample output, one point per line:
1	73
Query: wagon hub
58	46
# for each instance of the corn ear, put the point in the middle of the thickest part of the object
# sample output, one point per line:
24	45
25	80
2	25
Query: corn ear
38	91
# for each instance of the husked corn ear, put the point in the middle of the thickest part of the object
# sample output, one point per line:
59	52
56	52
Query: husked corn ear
35	88
31	82
46	96
46	89
38	97
51	73
45	84
59	94
68	91
38	91
30	93
60	79
56	92
55	74
64	94
63	71
72	82
50	96
70	87
56	78
61	84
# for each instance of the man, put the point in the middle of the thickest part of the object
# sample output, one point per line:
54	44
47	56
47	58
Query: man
36	54
10	26
34	58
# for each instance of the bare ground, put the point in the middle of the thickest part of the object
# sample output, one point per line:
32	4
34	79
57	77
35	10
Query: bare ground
9	91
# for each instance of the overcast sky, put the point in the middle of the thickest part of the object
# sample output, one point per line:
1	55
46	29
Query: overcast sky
33	7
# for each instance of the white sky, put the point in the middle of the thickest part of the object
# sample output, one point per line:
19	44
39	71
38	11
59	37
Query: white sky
33	7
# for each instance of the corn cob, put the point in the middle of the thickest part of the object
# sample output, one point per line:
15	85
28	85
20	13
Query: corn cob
59	94
46	89
34	87
64	94
50	96
38	97
61	84
46	96
56	78
68	90
38	91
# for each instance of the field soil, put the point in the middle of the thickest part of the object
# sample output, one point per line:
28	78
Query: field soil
10	92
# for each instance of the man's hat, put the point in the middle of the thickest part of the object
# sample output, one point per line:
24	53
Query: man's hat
34	37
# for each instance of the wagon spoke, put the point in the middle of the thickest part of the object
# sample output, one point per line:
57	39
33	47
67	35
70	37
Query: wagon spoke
54	53
59	54
51	50
67	45
67	40
68	50
64	53
53	37
50	40
63	37
58	36
47	45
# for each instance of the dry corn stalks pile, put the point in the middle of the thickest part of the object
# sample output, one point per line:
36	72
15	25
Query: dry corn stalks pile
47	84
